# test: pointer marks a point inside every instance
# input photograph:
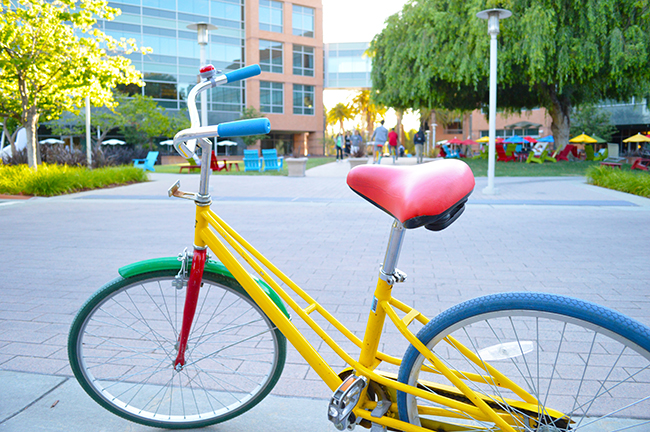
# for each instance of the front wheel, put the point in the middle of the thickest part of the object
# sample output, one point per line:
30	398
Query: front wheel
587	366
123	344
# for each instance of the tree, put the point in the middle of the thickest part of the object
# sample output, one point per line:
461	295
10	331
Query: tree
251	113
339	114
138	117
51	57
141	120
593	121
364	106
552	54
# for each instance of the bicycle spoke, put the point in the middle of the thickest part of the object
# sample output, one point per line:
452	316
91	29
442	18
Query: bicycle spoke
127	343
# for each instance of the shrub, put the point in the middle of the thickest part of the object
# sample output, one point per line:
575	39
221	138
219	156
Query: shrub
50	180
624	181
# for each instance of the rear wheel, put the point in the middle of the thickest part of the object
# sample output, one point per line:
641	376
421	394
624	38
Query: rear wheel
588	366
123	344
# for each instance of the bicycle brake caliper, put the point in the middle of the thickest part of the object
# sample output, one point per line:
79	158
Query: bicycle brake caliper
180	281
343	401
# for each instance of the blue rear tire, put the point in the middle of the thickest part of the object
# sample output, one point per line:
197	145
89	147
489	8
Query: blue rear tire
563	351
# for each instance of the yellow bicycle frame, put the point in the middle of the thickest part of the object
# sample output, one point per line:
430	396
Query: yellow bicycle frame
209	227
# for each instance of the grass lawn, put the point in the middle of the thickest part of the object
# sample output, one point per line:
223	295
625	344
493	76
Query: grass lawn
311	163
521	169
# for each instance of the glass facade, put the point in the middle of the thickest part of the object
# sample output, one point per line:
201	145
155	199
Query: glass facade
303	21
347	65
270	16
303	60
303	99
271	97
271	56
171	70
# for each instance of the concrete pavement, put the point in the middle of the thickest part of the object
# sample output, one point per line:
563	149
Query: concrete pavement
555	235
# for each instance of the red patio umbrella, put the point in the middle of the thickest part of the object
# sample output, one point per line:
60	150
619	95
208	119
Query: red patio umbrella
530	140
454	140
498	140
469	142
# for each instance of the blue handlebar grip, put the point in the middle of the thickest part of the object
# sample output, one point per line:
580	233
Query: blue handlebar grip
243	73
258	126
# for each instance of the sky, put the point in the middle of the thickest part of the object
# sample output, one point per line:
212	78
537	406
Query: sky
356	20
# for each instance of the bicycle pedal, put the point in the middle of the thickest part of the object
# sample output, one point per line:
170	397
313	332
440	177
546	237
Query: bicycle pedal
344	400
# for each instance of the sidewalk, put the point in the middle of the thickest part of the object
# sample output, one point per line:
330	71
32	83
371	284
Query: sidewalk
556	235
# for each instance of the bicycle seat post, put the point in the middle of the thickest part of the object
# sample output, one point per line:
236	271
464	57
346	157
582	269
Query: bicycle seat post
388	268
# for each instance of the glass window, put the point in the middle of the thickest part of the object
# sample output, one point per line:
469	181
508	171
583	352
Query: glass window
303	60
303	99
158	90
271	56
199	7
162	4
227	11
271	16
271	97
303	21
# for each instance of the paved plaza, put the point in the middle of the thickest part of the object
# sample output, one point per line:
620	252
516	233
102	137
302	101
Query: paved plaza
557	235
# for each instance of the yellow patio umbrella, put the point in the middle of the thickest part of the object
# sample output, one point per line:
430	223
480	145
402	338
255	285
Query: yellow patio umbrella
483	139
637	139
583	139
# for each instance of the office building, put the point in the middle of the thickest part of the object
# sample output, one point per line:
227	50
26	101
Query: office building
284	37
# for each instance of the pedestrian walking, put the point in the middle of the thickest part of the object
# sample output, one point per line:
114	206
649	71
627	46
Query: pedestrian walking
379	136
339	147
418	140
357	142
393	141
348	144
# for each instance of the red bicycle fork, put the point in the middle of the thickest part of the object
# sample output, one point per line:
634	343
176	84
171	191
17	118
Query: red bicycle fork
191	300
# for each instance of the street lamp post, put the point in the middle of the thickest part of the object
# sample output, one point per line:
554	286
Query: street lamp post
202	31
492	16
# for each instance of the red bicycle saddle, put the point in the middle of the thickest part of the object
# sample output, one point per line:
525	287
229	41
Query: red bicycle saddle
431	194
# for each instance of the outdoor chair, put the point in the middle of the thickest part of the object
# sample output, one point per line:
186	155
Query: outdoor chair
271	160
148	162
589	151
640	164
601	155
449	153
563	154
540	154
252	160
501	154
511	150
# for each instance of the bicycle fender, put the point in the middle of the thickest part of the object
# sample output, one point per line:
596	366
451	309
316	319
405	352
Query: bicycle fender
211	266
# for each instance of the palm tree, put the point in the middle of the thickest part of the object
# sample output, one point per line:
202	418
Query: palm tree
363	105
339	114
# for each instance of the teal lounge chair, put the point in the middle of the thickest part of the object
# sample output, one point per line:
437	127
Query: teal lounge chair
271	160
148	162
252	160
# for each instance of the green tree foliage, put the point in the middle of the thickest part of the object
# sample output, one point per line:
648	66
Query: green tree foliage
251	113
141	120
592	121
552	53
364	106
339	114
51	57
138	117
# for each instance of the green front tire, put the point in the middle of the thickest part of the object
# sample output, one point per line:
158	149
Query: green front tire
122	346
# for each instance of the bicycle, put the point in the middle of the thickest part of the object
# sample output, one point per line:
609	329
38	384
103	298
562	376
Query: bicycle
188	341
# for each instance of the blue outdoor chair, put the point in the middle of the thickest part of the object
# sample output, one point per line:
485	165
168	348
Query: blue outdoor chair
252	160
271	160
449	153
148	162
